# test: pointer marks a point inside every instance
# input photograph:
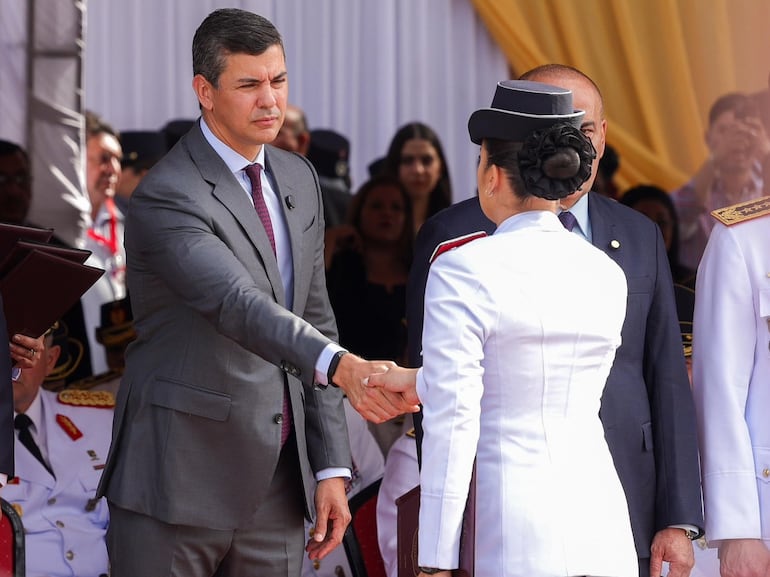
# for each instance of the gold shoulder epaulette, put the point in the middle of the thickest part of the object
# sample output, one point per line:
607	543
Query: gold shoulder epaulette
411	433
94	399
94	380
743	211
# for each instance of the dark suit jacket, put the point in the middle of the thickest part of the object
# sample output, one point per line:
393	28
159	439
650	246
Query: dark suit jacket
647	408
6	400
197	427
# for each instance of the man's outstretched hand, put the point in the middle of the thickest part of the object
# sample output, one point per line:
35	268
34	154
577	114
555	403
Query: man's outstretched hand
375	404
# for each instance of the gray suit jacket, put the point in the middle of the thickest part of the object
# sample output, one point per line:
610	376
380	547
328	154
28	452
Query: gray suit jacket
196	437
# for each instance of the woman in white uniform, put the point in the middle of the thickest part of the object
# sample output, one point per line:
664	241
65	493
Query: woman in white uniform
520	333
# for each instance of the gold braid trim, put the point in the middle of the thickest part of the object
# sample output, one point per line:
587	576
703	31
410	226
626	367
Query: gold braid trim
95	399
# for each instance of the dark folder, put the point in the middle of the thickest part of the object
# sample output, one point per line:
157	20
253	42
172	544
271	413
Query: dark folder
23	247
41	288
407	521
11	233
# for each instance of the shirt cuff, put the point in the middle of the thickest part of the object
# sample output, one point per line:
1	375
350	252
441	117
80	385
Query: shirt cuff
693	532
332	472
323	362
3	479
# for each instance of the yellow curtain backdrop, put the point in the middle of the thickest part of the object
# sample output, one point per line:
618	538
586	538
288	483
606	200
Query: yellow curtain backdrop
659	63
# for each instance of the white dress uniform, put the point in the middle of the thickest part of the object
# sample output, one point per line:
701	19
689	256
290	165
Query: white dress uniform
368	466
731	377
402	474
111	286
64	524
520	333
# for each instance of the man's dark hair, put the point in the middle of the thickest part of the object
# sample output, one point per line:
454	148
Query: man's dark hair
738	102
95	126
230	31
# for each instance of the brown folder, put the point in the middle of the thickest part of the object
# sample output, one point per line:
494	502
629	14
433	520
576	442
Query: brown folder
11	233
407	521
40	289
23	247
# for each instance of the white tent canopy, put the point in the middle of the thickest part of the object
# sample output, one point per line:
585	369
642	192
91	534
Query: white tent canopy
361	67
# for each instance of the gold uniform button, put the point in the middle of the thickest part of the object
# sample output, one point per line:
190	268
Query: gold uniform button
69	555
766	472
60	525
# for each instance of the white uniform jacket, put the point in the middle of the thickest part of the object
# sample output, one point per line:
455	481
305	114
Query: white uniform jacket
402	474
64	524
520	333
111	285
731	379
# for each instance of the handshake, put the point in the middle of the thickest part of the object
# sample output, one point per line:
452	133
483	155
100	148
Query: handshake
378	390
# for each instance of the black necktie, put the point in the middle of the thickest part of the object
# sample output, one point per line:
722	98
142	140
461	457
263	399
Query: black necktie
568	220
22	423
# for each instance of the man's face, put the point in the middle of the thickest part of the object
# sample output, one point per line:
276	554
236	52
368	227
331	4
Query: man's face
291	137
29	383
15	188
732	140
103	156
594	126
247	108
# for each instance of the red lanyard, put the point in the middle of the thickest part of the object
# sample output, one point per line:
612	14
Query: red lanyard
112	242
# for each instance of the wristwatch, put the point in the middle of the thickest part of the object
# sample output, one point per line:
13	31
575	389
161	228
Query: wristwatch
333	366
431	570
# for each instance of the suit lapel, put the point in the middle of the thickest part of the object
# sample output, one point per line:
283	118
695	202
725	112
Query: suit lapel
284	188
607	236
230	193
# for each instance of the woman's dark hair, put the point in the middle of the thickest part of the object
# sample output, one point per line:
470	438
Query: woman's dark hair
551	163
359	200
642	192
230	31
441	195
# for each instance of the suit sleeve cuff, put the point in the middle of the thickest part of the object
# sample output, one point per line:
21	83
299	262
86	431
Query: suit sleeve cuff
332	472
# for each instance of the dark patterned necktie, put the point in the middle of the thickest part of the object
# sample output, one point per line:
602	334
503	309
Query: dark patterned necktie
253	171
22	423
568	220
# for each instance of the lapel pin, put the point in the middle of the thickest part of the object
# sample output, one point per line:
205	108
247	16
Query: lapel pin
615	244
290	202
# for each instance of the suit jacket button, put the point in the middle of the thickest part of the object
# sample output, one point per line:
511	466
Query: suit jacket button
278	418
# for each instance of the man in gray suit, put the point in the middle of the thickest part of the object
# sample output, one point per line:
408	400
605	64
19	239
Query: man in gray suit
223	417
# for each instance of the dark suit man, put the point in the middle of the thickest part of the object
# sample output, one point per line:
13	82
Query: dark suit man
232	322
647	409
